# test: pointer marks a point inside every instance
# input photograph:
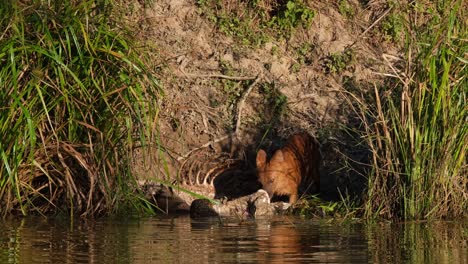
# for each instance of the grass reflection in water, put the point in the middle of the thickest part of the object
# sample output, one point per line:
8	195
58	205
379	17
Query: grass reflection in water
183	240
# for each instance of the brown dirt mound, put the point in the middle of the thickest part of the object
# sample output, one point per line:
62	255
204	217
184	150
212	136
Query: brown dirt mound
300	87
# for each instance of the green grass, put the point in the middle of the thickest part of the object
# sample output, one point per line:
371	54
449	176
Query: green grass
257	22
337	62
346	9
76	99
417	128
393	24
313	206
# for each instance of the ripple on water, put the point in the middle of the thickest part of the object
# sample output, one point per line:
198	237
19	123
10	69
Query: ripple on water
183	240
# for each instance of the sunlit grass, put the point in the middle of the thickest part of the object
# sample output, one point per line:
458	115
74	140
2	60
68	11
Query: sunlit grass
76	98
417	129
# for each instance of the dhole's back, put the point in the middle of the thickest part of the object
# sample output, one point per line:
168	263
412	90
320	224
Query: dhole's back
292	169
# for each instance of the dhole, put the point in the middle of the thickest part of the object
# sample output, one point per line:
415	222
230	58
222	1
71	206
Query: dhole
291	168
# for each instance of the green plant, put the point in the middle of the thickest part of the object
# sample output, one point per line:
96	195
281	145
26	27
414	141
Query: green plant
243	27
314	206
274	50
418	129
337	62
392	27
304	53
243	30
291	15
76	99
254	22
232	89
346	9
275	100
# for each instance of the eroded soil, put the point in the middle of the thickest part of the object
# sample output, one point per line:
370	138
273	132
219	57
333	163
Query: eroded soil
297	86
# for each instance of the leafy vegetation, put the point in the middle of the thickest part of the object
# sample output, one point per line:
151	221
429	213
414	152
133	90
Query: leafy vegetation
392	27
275	100
337	62
255	22
314	206
304	53
76	99
291	15
346	9
233	89
417	129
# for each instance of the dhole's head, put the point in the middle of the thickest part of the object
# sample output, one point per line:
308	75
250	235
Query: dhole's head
276	174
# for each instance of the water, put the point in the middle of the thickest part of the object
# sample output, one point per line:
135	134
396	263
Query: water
283	239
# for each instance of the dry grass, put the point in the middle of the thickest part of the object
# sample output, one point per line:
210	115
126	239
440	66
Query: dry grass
417	127
76	100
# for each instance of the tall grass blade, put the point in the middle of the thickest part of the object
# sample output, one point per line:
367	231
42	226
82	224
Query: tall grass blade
75	99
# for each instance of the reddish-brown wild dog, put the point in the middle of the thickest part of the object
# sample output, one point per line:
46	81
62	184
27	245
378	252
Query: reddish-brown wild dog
293	168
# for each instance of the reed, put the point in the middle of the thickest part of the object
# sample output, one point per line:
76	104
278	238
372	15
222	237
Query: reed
417	129
76	98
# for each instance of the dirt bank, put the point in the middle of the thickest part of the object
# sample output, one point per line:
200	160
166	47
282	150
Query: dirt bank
225	99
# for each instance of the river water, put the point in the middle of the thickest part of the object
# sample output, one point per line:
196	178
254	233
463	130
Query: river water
282	239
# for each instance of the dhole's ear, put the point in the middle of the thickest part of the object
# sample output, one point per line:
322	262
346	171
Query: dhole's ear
278	156
261	158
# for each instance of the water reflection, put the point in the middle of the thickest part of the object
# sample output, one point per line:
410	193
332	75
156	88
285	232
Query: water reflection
279	242
275	240
436	242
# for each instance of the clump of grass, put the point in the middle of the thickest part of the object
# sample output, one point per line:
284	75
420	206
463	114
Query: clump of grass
255	22
233	89
305	53
346	9
417	129
392	27
289	15
76	98
337	62
276	101
274	105
310	206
